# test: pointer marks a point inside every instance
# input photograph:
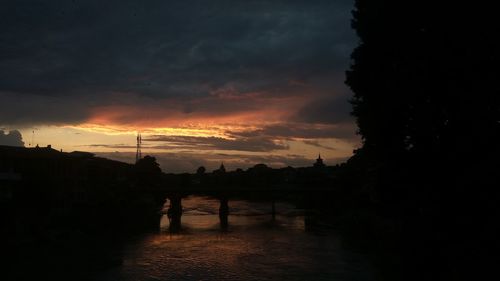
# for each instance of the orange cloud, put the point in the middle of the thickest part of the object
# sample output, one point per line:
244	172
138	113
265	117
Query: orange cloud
219	109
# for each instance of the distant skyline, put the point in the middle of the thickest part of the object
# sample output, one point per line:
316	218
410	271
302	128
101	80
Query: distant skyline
243	83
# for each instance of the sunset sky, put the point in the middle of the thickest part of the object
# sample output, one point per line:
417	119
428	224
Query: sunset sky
243	82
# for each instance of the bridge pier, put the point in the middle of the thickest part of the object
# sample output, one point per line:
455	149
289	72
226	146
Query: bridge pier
174	213
273	210
223	213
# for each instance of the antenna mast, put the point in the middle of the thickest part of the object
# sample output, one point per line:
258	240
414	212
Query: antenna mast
32	138
138	154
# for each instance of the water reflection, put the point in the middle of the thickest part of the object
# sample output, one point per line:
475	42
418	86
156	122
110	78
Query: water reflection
253	246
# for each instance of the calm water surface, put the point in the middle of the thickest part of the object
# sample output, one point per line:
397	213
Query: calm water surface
254	247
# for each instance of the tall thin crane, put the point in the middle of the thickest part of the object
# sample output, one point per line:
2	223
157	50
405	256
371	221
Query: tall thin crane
138	154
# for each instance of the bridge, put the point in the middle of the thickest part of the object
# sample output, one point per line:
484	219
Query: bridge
80	188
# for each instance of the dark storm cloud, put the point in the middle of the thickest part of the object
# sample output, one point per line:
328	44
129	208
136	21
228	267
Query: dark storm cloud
67	50
12	138
24	109
325	111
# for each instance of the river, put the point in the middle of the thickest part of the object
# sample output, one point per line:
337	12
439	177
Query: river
253	247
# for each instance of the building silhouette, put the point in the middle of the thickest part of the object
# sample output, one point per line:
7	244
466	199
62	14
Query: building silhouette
319	162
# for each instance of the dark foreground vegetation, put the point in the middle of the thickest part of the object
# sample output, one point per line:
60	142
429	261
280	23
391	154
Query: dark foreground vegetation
61	212
426	98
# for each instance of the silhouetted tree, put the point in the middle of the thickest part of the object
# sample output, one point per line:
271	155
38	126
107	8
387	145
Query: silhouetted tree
426	92
426	98
147	170
201	170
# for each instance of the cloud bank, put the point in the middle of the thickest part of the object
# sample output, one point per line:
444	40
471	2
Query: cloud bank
11	138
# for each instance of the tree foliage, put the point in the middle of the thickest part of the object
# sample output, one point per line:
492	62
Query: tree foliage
425	78
147	171
426	91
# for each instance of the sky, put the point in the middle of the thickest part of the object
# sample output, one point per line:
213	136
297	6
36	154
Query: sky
204	82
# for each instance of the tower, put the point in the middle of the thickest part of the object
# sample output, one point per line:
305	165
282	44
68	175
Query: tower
319	162
138	154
